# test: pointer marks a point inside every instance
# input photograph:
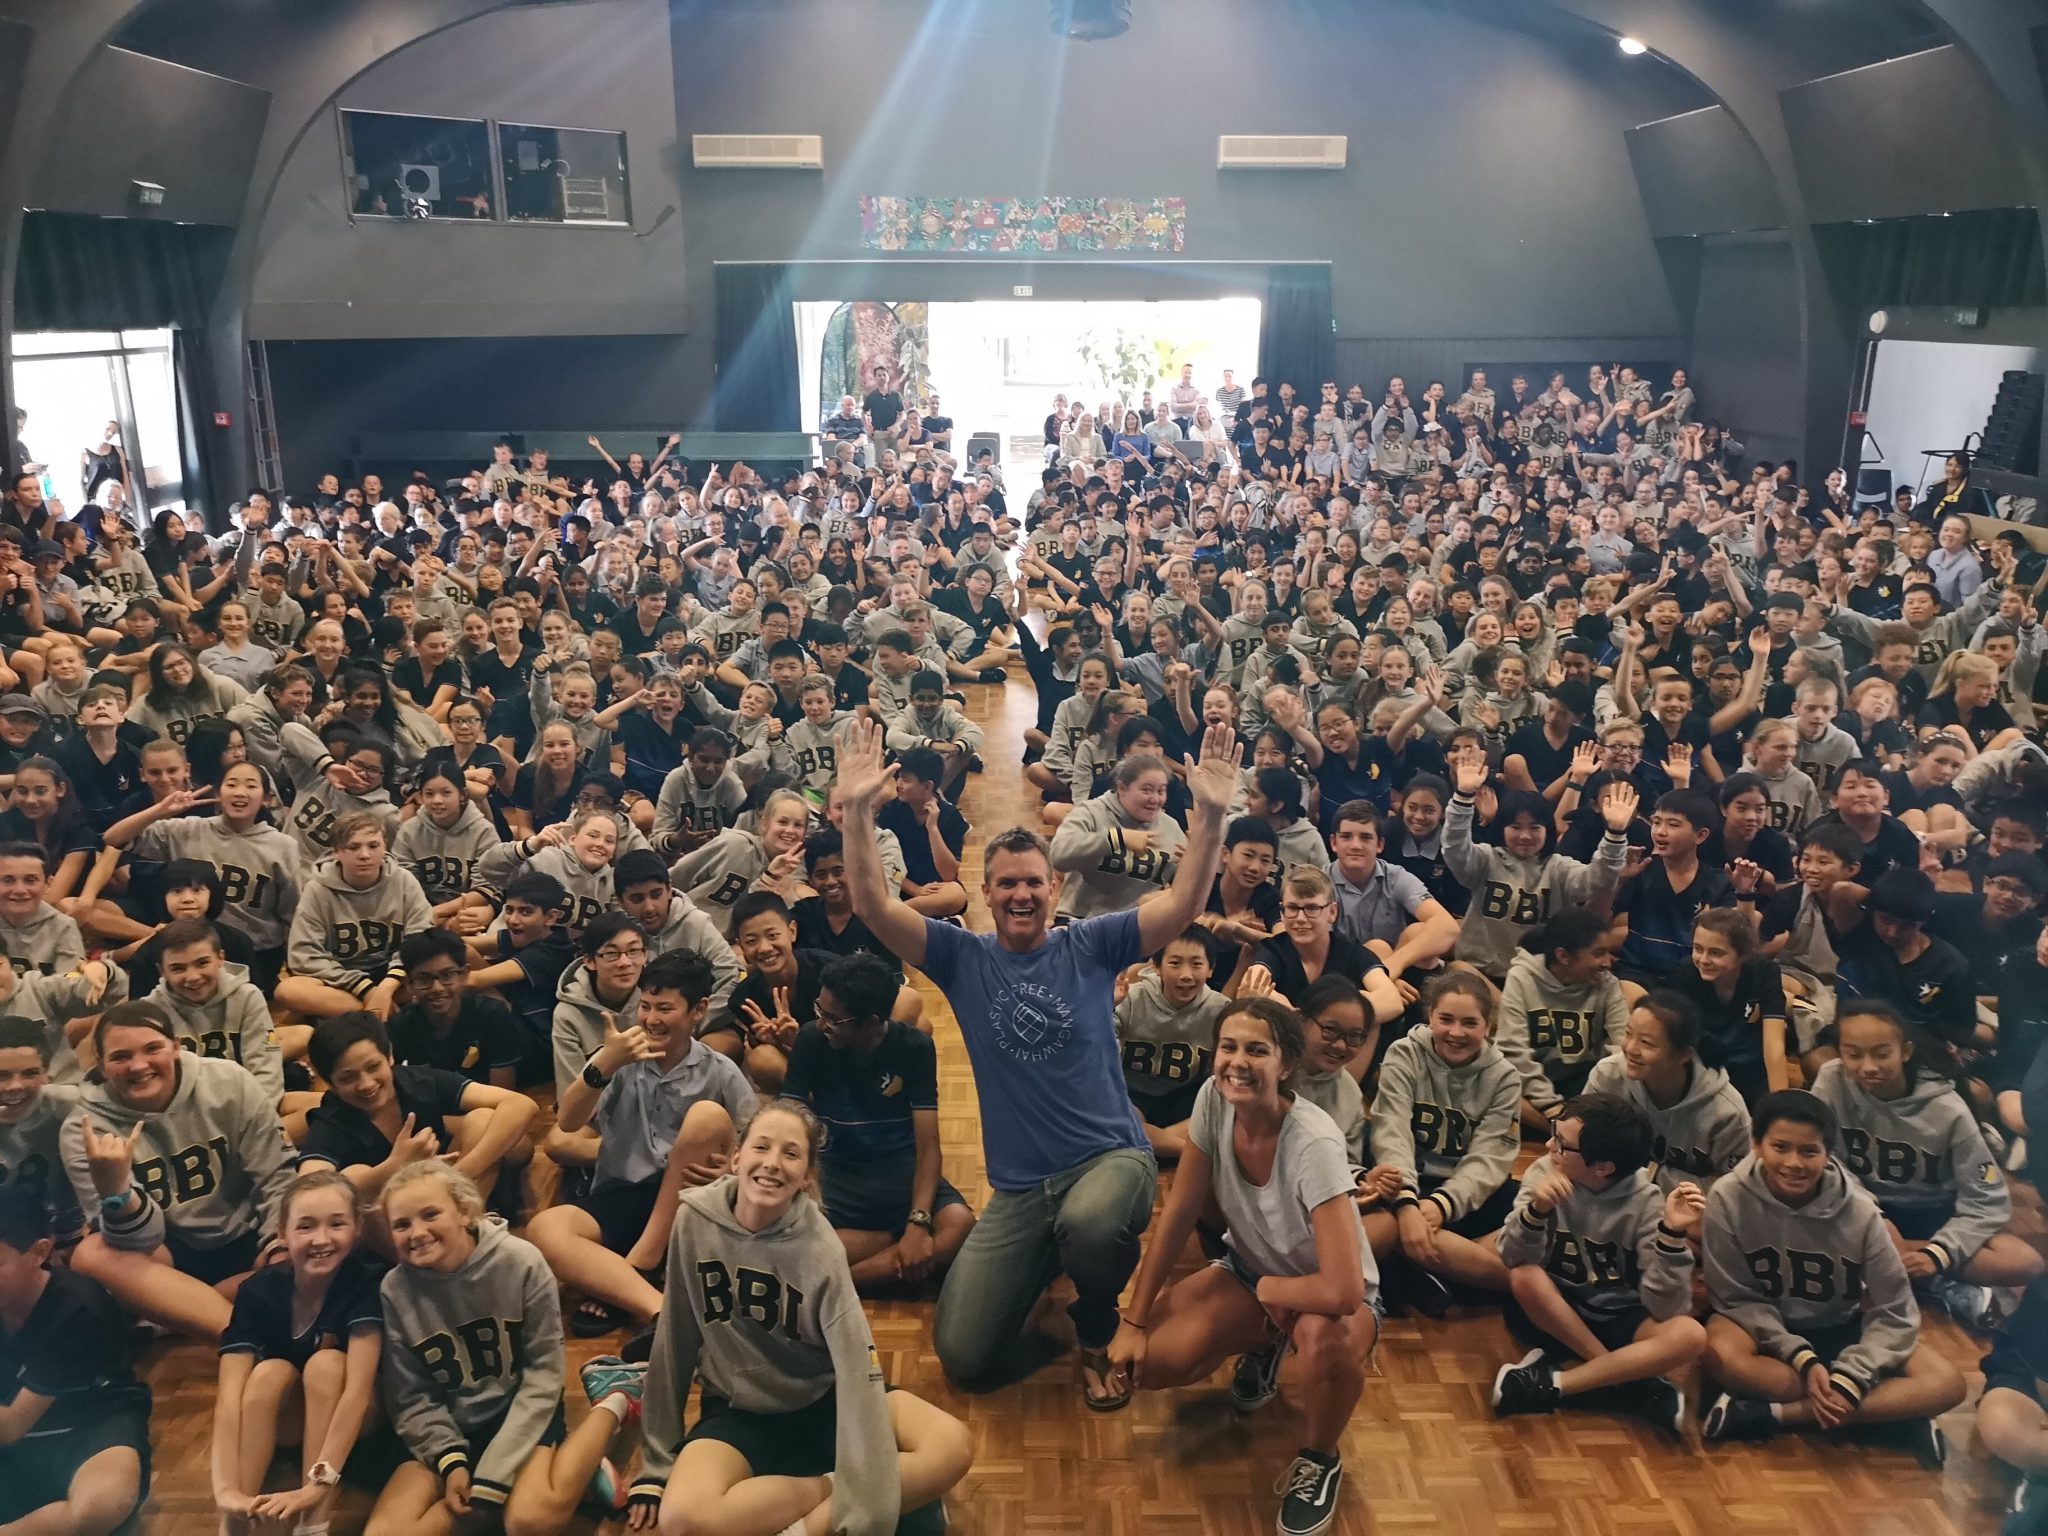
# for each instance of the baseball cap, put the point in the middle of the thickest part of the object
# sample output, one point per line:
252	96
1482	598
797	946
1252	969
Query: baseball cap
22	704
46	549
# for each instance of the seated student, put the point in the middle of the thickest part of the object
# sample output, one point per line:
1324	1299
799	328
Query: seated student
1120	847
737	861
577	854
1308	946
1521	882
213	1007
1165	1025
357	908
299	1362
1797	927
260	869
1909	1136
2010	1418
443	846
1746	832
74	1421
699	799
62	1009
1888	953
779	994
42	809
663	1108
184	1160
522	958
1274	796
1599	1261
336	773
1813	1323
1382	905
795	1426
451	1026
378	1116
670	921
185	889
1739	998
1657	907
544	790
32	1113
1336	1029
483	1440
1443	1144
1278	1169
599	991
1561	1011
932	833
103	755
874	1083
1699	1126
1861	802
34	935
825	920
1244	899
931	725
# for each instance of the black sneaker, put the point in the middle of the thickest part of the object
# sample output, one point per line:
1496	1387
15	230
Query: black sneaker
2027	1514
1659	1401
1923	1437
1527	1385
1420	1291
1308	1494
1257	1376
1737	1418
639	1349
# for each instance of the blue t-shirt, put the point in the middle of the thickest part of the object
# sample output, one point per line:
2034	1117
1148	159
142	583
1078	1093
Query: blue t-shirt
1041	1032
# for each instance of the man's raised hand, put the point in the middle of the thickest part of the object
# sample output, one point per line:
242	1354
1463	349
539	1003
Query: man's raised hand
862	775
1213	783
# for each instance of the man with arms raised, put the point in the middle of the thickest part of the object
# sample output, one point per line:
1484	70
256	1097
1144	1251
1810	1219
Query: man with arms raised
1073	1174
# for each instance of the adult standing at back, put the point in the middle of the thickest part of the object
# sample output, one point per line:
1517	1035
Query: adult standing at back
1072	1171
882	409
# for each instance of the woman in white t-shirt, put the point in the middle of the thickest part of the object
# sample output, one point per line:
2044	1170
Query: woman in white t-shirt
1215	441
1296	1272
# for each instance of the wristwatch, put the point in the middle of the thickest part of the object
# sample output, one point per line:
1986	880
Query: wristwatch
112	1204
592	1076
920	1219
322	1474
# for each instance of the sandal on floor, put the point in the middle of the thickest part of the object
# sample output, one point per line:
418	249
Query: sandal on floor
592	1319
1097	1378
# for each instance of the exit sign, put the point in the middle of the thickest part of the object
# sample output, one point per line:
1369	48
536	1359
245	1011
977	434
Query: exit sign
1021	291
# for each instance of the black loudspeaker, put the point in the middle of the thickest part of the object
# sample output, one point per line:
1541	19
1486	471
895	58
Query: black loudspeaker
2012	433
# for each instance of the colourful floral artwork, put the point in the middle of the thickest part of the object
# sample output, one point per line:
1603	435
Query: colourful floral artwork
1029	224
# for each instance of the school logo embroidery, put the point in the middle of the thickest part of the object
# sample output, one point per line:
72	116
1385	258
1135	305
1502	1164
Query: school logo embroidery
891	1085
1031	1023
1987	1173
1928	991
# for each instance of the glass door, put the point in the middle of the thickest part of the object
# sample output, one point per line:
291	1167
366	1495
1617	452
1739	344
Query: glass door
102	412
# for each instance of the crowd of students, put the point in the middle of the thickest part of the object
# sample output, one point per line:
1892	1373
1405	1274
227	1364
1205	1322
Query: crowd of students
1532	775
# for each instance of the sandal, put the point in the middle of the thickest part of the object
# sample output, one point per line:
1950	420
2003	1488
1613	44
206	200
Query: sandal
1098	1383
592	1319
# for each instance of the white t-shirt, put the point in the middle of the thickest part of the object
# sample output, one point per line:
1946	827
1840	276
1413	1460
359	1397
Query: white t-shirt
1272	1225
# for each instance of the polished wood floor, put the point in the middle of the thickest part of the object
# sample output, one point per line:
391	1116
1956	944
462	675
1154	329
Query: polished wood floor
1424	1453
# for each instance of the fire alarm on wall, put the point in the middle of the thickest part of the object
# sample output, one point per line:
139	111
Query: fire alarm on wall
223	419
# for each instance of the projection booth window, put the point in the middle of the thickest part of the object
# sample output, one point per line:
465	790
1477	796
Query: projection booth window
563	175
402	167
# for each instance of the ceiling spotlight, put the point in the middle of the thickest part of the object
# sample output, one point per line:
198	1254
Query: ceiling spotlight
1633	46
1090	21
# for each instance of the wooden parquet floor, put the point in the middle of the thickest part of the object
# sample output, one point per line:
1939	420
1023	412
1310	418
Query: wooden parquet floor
1424	1455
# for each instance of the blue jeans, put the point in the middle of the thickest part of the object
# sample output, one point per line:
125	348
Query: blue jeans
1086	1222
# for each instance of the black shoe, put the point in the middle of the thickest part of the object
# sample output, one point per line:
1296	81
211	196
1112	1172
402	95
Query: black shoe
992	675
1738	1418
1308	1490
1527	1385
1657	1400
1923	1437
1257	1376
296	1078
1420	1291
639	1349
2027	1514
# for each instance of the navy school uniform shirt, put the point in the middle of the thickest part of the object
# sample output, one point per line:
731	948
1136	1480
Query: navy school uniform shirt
1935	990
1894	847
339	1133
1660	919
759	989
483	1037
262	1323
1737	1024
1040	1029
1347	958
73	1348
866	1102
1770	850
814	931
916	842
532	997
1547	764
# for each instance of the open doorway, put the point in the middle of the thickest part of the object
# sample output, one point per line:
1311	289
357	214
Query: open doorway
102	410
997	363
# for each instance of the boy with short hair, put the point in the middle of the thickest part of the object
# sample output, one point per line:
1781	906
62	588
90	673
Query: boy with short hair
672	920
931	832
813	738
1814	1324
74	1421
522	958
34	935
932	725
213	1007
889	688
1822	749
1166	1029
1599	1261
874	1083
32	1111
1657	906
664	1107
450	1025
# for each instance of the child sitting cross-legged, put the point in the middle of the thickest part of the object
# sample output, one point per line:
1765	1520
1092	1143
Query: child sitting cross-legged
1814	1324
1598	1262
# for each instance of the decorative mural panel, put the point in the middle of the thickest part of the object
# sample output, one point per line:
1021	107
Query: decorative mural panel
1006	224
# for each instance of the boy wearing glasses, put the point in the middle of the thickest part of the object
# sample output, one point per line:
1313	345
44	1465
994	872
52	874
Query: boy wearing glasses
1600	1262
447	1025
1309	943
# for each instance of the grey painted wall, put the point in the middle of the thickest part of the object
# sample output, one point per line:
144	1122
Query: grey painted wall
133	118
1915	135
587	66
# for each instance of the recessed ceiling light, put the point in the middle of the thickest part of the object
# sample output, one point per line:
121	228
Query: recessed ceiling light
1633	46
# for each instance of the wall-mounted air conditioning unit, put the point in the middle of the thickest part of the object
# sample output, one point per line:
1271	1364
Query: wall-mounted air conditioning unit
1281	151
757	151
